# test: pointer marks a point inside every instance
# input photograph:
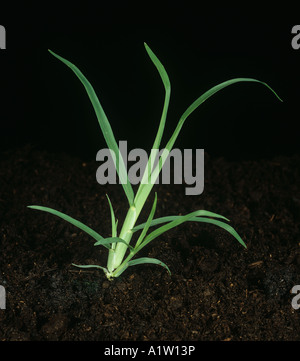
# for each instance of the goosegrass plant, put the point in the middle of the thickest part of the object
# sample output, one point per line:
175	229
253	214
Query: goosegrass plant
121	254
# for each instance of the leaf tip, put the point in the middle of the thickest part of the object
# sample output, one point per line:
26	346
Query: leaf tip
149	51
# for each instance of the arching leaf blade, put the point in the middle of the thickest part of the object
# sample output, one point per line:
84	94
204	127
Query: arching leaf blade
166	219
139	201
89	266
148	223
206	96
181	219
71	220
113	219
144	260
105	127
111	240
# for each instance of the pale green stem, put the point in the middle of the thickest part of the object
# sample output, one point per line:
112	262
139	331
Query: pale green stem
115	256
122	266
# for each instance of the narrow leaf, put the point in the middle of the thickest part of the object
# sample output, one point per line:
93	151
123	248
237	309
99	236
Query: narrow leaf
160	220
182	219
71	220
89	266
167	85
105	127
148	223
166	81
206	96
147	188
111	240
113	220
226	227
167	227
144	260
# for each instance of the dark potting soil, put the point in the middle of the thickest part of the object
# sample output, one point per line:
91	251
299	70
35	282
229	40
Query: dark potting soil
217	291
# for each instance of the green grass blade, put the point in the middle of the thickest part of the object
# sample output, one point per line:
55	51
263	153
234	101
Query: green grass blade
113	219
226	227
147	188
166	82
167	85
160	220
216	222
71	220
206	96
111	240
176	222
105	127
181	219
148	223
144	260
89	266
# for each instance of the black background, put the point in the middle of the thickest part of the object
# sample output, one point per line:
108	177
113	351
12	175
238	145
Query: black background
44	104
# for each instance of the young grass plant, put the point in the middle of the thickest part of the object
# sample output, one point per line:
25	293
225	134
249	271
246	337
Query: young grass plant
120	252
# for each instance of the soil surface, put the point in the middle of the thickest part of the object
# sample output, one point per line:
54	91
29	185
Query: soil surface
217	291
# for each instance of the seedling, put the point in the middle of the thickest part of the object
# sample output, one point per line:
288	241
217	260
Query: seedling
119	242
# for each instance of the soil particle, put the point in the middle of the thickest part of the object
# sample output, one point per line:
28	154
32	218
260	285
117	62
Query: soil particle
55	326
218	290
278	283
